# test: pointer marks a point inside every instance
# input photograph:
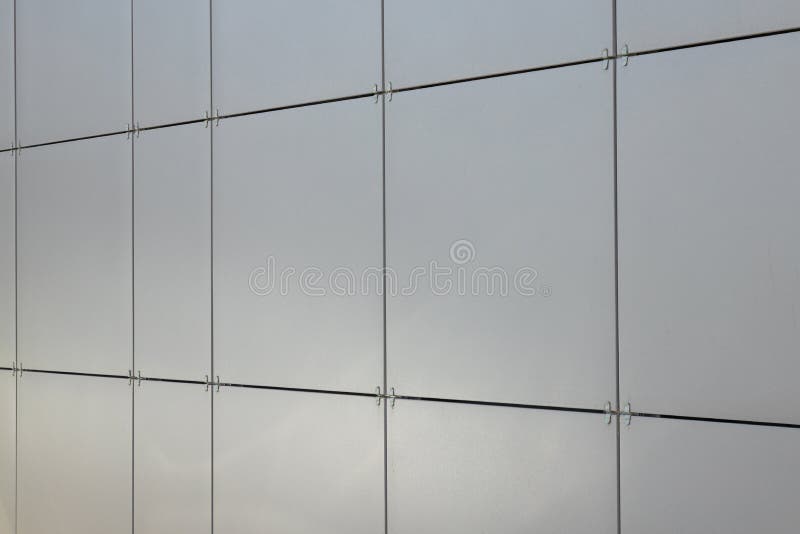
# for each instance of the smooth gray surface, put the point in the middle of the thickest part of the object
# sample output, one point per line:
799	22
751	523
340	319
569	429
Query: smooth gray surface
74	455
295	463
450	39
171	60
304	187
74	256
521	167
8	310
73	68
8	447
172	458
475	469
270	53
653	24
709	249
6	74
709	478
172	252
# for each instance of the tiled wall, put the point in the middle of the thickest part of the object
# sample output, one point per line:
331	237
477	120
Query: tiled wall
411	266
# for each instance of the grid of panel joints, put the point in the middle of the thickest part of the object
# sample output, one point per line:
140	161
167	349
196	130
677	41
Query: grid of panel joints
392	399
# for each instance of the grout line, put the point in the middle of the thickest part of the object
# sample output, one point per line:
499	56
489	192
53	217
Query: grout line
615	129
211	127
385	296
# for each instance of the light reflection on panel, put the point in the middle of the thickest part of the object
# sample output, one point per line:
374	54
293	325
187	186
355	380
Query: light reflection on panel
500	231
7	262
449	39
653	24
172	458
708	246
474	469
274	53
8	436
74	217
697	477
297	199
172	187
295	463
74	455
73	68
6	74
171	60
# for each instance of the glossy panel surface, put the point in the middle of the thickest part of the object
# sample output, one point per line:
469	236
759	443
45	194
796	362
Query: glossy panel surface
74	217
73	68
653	24
474	469
171	51
297	199
74	455
7	262
450	39
172	458
6	74
295	463
500	230
8	451
270	53
700	478
709	249
172	219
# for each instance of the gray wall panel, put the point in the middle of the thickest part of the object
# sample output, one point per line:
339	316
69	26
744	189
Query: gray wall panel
709	250
73	68
172	252
296	463
516	173
695	477
75	280
8	310
6	74
472	469
74	455
8	451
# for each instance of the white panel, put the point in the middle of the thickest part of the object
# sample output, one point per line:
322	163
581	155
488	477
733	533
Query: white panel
6	74
475	469
172	458
172	219
8	447
73	68
74	455
171	60
709	249
7	262
513	174
294	462
74	217
270	53
706	478
654	24
299	189
450	39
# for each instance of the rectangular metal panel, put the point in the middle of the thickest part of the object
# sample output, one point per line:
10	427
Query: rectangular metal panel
697	477
172	458
449	39
474	469
500	231
8	308
172	252
270	53
298	247
295	462
73	68
74	455
708	243
654	24
6	74
74	217
171	65
8	451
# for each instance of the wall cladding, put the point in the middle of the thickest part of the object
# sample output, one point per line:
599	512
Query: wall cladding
399	266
